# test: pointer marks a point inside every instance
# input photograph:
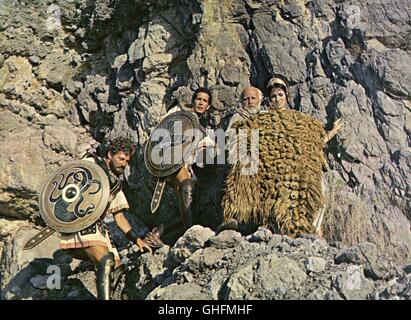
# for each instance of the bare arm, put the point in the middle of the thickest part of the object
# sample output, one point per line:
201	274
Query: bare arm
125	226
337	125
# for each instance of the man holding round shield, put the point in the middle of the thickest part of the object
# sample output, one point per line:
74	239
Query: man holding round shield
179	141
74	202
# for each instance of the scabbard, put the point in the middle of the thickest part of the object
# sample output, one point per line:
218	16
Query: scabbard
38	238
158	194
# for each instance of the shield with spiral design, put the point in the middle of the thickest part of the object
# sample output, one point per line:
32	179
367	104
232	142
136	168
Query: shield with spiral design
74	197
172	143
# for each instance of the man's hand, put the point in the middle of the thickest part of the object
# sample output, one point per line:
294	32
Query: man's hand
143	246
205	142
125	226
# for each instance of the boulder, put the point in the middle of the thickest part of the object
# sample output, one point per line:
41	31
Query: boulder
19	266
60	139
192	240
315	264
22	172
225	239
352	284
186	291
267	278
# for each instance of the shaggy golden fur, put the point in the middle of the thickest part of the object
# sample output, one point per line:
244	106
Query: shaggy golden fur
286	192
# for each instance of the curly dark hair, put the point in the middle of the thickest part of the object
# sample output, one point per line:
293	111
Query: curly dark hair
203	90
121	144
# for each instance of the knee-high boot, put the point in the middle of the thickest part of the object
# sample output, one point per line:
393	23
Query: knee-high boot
186	201
104	276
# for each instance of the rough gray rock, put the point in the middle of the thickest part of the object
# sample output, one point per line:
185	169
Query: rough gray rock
262	234
187	291
60	139
11	121
150	272
217	282
22	172
104	70
26	166
396	289
19	266
40	282
246	270
315	264
275	241
55	71
352	284
205	258
193	239
241	283
225	239
348	74
270	278
377	265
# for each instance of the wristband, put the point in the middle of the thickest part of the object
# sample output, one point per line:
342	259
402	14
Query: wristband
132	236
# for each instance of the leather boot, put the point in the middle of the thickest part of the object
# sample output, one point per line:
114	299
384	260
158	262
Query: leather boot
104	276
186	200
117	273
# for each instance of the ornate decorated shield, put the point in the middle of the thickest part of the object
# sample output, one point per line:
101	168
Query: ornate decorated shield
74	197
172	143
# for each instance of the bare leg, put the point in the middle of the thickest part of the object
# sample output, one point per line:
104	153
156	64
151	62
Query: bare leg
318	220
183	174
337	125
94	253
104	261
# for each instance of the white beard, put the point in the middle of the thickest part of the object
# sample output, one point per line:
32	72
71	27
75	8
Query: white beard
254	110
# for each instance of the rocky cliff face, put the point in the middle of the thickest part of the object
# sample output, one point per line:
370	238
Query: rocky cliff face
203	266
74	73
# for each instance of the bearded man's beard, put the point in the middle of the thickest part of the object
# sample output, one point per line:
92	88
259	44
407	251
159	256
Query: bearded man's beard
118	171
254	110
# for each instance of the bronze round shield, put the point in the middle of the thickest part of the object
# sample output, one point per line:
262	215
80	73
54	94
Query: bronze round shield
172	143
74	197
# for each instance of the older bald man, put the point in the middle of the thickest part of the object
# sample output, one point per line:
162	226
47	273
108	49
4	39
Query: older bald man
251	98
